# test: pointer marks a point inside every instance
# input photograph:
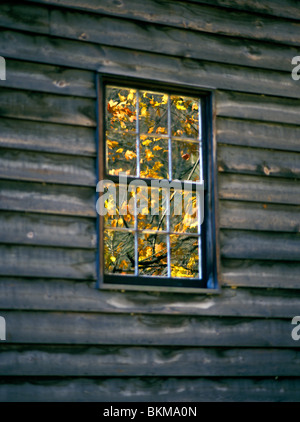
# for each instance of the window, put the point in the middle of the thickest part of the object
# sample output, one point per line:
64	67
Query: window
155	204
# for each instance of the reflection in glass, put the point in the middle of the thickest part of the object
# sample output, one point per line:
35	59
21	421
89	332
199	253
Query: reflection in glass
152	251
154	217
185	160
121	109
185	221
184	117
118	210
184	256
118	252
153	113
121	153
154	157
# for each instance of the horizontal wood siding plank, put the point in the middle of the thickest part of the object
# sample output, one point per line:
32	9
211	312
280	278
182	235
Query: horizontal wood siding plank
253	216
70	295
251	133
235	159
81	328
255	273
47	78
47	137
257	107
244	244
38	261
47	230
140	361
123	33
151	66
47	198
38	106
154	389
259	189
47	167
198	17
288	9
177	42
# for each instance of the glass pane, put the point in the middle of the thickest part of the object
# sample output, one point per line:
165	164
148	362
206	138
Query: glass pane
184	218
184	256
153	112
154	157
156	218
152	251
184	116
121	109
185	157
118	252
121	153
118	208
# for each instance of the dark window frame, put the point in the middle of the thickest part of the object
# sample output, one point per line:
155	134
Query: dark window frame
209	283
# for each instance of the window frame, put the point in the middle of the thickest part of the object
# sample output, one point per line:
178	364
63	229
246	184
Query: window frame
209	235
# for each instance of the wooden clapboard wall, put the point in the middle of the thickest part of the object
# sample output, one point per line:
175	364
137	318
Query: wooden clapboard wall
67	341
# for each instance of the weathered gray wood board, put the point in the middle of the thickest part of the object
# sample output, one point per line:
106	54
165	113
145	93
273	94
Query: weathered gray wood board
146	361
70	295
68	341
150	389
31	327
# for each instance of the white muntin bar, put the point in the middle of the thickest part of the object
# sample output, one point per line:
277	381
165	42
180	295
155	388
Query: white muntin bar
137	134
136	240
168	233
169	139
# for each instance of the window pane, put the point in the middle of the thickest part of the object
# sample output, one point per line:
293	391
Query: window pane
184	212
155	219
153	113
118	208
184	117
154	157
185	157
152	254
118	252
121	153
184	256
121	109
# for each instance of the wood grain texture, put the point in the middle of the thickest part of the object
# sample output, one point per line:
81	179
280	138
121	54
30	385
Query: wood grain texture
48	78
115	361
47	137
245	244
105	30
149	389
255	216
82	296
155	67
68	340
47	167
198	17
258	189
288	9
258	273
258	134
47	198
31	327
38	261
47	230
245	160
257	107
38	106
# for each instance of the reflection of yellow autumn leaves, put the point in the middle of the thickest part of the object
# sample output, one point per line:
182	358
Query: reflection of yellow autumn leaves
129	155
184	256
139	127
